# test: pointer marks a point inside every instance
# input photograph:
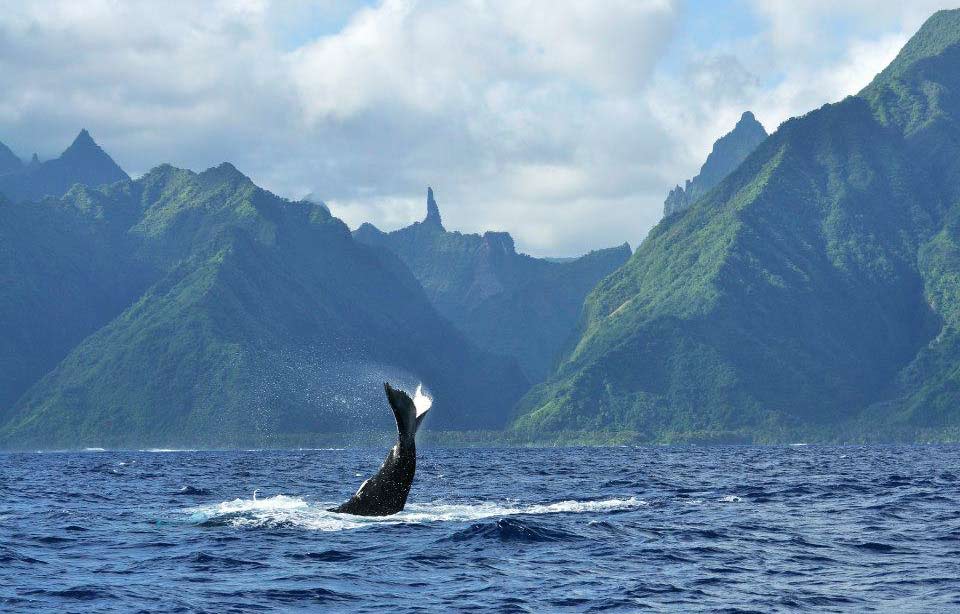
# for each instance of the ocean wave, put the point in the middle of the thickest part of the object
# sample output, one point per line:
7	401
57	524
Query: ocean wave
285	511
512	530
192	491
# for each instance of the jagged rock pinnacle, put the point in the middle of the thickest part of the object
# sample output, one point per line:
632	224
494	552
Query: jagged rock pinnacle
433	211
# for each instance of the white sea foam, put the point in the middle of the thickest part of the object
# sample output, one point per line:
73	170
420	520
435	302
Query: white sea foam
730	499
295	511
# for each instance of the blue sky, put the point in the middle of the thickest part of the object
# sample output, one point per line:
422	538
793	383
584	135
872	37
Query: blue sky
563	122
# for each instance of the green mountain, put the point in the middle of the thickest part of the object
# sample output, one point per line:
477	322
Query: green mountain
728	153
84	162
507	303
62	276
812	293
199	309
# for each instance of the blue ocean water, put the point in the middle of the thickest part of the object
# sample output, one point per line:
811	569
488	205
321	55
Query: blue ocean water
795	528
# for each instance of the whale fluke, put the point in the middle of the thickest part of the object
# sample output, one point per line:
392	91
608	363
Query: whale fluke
386	492
404	411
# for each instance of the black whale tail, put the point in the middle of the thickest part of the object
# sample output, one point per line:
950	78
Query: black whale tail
386	492
404	410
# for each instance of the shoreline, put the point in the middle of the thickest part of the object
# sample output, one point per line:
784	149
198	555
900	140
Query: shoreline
512	439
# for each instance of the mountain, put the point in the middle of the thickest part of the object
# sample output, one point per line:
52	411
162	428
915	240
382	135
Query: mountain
728	153
84	162
199	309
811	294
504	302
9	161
62	276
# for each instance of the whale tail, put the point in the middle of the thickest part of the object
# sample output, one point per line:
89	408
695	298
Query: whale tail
404	410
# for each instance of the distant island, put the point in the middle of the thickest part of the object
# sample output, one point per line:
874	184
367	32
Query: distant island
803	287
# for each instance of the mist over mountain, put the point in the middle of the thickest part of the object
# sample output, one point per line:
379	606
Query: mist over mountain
811	293
503	301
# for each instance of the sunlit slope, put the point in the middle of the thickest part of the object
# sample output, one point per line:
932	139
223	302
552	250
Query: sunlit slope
813	283
265	321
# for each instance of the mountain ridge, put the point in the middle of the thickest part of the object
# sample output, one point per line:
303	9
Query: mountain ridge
804	294
503	301
726	154
256	319
82	162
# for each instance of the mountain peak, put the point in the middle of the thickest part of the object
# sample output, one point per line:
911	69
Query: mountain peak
225	172
85	148
919	86
433	211
84	139
938	33
84	145
748	123
728	152
747	120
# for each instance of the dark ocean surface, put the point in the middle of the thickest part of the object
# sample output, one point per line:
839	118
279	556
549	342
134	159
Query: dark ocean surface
793	528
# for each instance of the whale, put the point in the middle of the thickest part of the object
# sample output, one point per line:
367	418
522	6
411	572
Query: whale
386	492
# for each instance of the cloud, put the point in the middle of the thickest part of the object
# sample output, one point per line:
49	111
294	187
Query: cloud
564	123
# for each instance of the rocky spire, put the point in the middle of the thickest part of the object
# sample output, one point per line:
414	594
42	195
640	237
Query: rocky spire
727	154
433	211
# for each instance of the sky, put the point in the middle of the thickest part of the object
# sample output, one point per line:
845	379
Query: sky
563	122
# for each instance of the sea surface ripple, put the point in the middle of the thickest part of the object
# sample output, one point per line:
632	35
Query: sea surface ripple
737	529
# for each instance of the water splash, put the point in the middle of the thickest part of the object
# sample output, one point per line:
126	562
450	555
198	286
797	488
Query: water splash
421	401
285	511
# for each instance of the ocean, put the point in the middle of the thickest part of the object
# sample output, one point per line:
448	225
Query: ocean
733	529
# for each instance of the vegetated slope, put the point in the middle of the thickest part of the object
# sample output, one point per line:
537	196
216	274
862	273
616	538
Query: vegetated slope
64	270
264	322
918	95
63	274
727	154
814	282
505	302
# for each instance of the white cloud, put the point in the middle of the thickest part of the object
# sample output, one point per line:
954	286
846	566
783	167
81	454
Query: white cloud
564	123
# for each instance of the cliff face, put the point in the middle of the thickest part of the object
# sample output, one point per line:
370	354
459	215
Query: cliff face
727	154
505	302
